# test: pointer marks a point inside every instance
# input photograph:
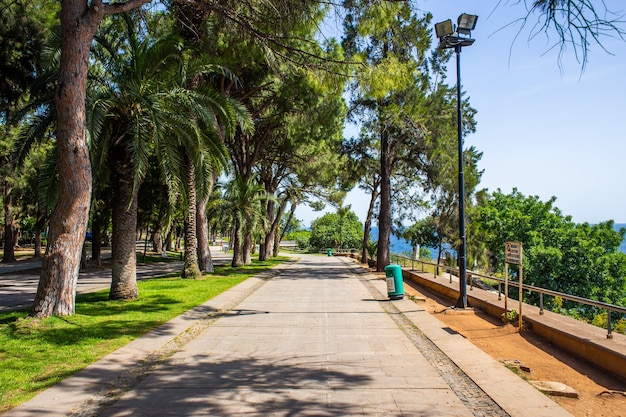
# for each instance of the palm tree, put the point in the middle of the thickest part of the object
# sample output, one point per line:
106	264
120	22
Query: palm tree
245	200
202	151
142	108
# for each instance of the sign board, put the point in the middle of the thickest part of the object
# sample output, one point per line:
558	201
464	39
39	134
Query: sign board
513	253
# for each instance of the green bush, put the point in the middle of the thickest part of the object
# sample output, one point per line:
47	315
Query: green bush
601	320
301	237
334	231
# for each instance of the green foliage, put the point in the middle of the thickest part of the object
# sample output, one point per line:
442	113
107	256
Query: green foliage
333	231
560	255
601	320
509	317
372	246
140	99
425	253
24	28
302	237
406	111
422	233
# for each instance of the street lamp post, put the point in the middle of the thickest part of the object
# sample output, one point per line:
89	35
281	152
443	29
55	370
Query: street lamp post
450	38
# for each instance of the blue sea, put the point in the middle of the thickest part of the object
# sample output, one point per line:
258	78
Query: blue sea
622	247
401	246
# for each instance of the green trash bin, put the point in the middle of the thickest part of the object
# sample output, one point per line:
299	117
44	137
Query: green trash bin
329	251
395	285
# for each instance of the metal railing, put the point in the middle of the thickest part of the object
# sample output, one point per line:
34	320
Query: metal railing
405	261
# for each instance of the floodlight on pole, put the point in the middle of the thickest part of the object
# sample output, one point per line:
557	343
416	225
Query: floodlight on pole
466	23
450	37
444	28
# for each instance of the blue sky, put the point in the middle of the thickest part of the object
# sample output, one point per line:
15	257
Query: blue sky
545	128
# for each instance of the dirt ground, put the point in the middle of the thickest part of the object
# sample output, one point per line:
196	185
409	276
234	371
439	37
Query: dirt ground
546	362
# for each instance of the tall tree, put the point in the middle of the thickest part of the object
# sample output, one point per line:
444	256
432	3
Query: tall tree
57	284
394	99
127	113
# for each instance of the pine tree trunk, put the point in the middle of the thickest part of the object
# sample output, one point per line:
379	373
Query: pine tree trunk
124	222
368	225
68	224
384	216
292	212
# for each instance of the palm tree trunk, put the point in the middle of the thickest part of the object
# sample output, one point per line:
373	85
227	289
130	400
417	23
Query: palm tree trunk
9	231
268	242
124	222
237	246
157	238
38	230
96	238
205	262
273	246
247	249
190	268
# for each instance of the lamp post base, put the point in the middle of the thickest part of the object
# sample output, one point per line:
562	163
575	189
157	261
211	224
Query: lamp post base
460	303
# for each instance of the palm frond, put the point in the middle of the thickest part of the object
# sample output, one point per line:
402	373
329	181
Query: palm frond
33	132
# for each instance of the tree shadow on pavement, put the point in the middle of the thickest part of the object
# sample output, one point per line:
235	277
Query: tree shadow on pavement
204	385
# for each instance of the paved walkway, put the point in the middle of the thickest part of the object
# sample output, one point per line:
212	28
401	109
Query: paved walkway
314	338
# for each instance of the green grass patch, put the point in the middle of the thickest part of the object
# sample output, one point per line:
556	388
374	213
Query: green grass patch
36	354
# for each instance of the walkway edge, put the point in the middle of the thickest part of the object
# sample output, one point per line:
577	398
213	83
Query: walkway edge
71	394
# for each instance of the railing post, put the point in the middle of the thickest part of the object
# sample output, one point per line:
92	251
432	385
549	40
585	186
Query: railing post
609	335
541	303
499	291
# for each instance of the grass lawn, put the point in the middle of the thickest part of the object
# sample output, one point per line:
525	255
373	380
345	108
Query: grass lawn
35	355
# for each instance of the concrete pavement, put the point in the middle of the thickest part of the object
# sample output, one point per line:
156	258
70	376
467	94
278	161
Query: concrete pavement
314	338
